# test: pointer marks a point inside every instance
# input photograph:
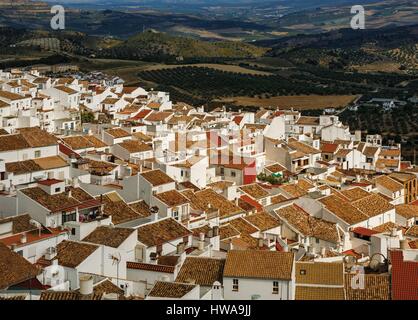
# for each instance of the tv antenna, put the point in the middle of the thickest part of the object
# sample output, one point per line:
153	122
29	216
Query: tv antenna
116	259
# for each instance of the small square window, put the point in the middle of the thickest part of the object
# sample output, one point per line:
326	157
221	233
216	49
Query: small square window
275	287
235	285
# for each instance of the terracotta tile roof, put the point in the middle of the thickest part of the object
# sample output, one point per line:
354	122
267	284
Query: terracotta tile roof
14	268
275	168
402	177
278	199
170	289
4	105
343	210
356	193
370	151
118	209
110	100
13	142
217	201
220	185
329	147
162	231
302	147
203	271
35	165
70	253
263	221
169	260
320	273
100	168
390	153
243	226
159	116
20	223
310	121
54	203
67	295
150	267
66	89
108	236
142	114
142	137
412	231
373	205
106	286
413	244
377	287
305	185
189	185
255	191
248	204
308	225
227	231
388	183
10	95
83	142
387	163
141	207
37	137
172	198
156	177
118	133
20	297
259	264
404	278
319	293
386	227
407	211
294	190
134	146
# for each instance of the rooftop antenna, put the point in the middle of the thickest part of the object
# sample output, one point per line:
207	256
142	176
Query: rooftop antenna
116	259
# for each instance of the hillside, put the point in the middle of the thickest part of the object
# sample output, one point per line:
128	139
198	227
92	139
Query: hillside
158	46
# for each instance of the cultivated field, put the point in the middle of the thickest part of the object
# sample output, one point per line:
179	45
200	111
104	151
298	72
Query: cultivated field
310	102
220	67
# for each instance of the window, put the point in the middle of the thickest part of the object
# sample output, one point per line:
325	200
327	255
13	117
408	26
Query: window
20	252
57	190
68	217
37	153
235	285
275	287
302	272
176	214
233	174
222	171
73	231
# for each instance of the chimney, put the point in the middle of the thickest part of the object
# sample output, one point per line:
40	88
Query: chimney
404	244
75	182
180	248
202	236
86	285
260	242
23	238
215	231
